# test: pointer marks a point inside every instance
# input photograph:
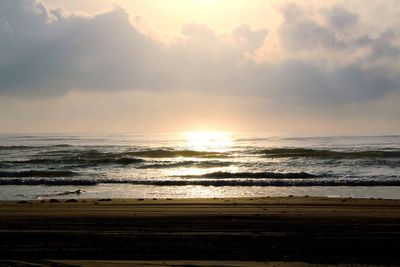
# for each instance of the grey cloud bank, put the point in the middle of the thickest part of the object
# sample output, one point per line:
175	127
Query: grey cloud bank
327	58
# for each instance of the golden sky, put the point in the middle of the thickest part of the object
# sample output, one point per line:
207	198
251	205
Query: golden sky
169	16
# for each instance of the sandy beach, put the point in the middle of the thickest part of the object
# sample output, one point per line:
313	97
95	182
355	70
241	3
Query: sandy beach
262	230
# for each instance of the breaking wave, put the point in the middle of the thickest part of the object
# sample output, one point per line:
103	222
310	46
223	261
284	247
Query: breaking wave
194	164
303	152
95	157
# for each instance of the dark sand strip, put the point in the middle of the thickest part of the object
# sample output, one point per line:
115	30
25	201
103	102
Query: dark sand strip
314	230
94	263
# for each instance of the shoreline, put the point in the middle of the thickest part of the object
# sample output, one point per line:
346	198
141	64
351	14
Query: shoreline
289	229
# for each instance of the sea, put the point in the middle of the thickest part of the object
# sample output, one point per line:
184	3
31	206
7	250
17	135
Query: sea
197	165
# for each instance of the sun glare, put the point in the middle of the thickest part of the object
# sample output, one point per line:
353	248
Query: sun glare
217	141
170	16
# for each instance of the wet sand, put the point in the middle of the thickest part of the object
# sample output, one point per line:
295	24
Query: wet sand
312	230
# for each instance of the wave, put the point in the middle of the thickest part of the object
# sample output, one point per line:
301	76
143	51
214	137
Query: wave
303	152
11	147
17	147
152	153
62	145
266	183
388	163
105	159
121	161
48	182
215	183
96	157
225	175
195	164
126	160
32	173
166	153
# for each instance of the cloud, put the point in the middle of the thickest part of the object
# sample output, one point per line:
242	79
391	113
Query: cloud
50	52
248	37
300	32
47	52
328	58
339	18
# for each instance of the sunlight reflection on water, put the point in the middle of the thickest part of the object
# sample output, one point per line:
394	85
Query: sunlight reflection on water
208	141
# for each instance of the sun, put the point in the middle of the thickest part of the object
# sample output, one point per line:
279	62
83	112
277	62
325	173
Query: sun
207	141
201	3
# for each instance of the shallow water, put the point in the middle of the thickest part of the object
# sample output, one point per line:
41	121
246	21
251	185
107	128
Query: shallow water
197	165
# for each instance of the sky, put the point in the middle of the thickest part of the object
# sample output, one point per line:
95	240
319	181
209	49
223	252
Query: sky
278	67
